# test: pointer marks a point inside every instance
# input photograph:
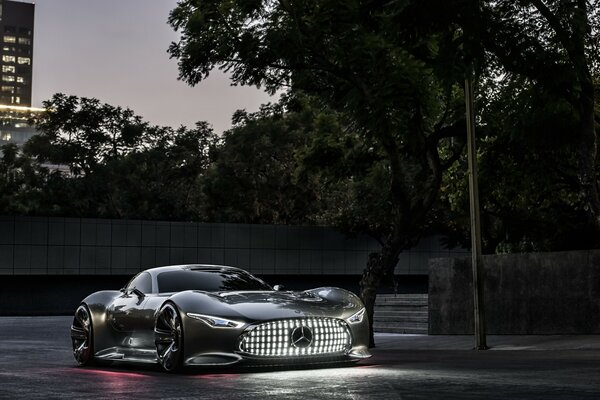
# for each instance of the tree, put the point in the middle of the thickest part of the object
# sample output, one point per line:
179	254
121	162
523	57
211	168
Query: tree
378	65
534	142
546	52
96	160
253	176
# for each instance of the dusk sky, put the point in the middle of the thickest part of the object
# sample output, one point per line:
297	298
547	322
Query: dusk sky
116	51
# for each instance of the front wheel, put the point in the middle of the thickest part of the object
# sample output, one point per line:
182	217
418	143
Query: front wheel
82	336
168	338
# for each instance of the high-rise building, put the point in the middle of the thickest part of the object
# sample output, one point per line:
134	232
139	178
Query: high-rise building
14	124
16	34
16	60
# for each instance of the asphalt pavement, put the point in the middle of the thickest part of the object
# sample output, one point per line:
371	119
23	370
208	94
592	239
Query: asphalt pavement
36	362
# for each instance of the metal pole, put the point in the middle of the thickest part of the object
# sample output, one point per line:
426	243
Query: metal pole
478	279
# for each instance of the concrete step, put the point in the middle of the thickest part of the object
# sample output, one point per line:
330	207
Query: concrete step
401	313
392	313
416	318
402	308
400	301
405	330
403	296
399	304
391	324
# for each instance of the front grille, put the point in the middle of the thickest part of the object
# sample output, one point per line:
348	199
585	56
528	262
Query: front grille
297	337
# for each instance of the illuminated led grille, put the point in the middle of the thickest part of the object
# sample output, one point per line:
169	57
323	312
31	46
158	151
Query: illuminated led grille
297	337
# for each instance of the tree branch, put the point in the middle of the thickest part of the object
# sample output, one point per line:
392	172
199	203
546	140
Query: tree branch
554	22
458	130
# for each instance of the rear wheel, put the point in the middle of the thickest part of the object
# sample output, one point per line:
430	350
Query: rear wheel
82	336
168	338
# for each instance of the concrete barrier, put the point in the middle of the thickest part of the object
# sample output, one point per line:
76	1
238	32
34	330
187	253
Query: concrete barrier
536	293
81	246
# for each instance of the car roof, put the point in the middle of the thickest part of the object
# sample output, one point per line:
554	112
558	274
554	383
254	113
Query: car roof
190	267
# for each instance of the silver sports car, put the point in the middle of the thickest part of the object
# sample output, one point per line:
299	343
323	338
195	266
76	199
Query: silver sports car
210	315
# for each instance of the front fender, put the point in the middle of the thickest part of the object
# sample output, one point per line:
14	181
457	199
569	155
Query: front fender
203	303
352	304
97	304
347	299
203	344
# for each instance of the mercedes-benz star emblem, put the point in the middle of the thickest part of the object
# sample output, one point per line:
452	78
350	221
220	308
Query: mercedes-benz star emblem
302	337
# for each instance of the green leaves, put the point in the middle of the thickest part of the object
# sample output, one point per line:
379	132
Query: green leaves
97	160
253	178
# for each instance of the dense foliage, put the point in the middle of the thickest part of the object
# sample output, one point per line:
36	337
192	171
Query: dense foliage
538	122
95	160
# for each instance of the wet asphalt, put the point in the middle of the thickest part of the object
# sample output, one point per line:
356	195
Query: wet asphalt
36	362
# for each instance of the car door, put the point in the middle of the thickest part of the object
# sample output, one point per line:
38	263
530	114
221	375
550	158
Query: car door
127	313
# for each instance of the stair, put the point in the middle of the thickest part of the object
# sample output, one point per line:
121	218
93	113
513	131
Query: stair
401	313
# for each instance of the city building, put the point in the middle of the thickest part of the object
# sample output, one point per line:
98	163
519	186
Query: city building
16	31
14	124
16	61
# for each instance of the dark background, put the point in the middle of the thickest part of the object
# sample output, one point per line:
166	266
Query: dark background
60	295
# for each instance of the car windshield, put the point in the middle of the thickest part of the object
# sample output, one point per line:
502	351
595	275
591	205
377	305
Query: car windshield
209	280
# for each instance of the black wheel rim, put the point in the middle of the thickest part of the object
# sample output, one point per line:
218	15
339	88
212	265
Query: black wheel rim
167	337
81	335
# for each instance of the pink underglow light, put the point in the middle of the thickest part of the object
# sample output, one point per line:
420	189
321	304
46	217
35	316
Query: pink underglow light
113	374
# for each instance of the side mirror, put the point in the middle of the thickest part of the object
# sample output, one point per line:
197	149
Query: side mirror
278	288
138	293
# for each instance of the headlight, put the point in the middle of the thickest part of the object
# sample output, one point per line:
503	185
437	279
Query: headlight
216	322
358	317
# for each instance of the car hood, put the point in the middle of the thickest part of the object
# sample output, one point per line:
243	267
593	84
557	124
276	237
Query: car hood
267	305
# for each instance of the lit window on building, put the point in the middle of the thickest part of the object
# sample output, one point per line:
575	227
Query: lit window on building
16	100
10	39
6	58
6	136
24	60
23	40
20	79
8	78
8	68
8	89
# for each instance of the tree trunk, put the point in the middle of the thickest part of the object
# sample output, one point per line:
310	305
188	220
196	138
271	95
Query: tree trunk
378	265
587	154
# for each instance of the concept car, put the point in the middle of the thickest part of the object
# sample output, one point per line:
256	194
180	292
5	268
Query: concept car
209	315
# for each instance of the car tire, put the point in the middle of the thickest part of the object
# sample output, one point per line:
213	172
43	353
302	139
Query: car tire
82	336
168	338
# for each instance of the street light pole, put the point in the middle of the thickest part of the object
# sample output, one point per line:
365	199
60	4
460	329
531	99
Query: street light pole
478	279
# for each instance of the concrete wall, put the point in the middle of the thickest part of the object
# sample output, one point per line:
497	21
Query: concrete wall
75	246
537	293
